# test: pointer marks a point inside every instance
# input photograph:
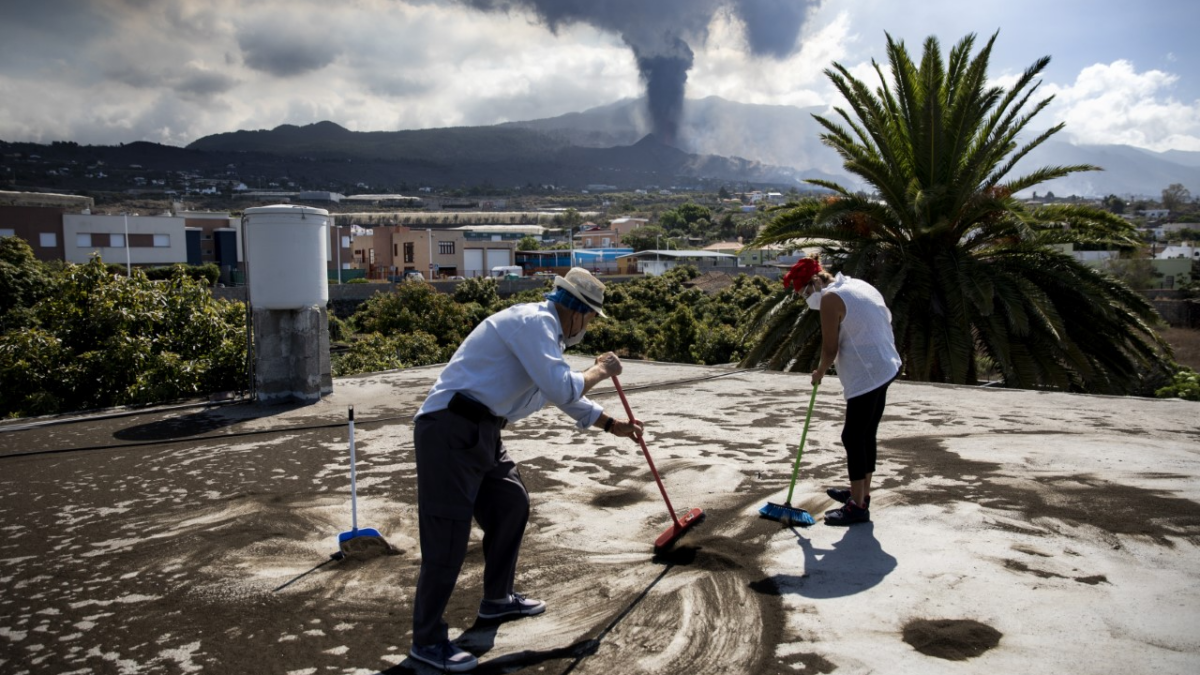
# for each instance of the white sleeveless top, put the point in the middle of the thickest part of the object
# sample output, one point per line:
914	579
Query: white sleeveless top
867	356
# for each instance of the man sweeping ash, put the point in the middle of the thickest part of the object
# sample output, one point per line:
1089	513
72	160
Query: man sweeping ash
508	368
856	336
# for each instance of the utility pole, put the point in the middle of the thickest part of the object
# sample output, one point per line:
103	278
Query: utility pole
657	255
429	235
128	262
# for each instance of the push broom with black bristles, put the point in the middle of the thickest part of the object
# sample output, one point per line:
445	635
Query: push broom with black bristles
785	512
357	542
679	526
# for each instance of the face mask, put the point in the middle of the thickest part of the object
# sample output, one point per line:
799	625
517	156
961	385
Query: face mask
814	301
576	338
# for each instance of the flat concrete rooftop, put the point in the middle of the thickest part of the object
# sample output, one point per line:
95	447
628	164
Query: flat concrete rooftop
1013	532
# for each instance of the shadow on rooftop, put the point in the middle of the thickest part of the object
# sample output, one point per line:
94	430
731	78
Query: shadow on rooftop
200	422
481	637
855	563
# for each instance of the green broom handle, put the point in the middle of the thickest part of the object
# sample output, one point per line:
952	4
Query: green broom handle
796	467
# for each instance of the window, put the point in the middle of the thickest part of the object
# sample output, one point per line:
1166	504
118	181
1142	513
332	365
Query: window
446	247
409	256
83	240
162	241
345	241
47	239
6	232
116	240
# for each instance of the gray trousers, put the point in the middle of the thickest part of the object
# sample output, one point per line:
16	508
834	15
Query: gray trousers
463	472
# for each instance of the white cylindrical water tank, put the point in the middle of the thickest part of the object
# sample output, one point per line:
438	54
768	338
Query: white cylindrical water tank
286	252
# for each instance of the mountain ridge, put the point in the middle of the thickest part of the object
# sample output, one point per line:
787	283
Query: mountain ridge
790	136
720	142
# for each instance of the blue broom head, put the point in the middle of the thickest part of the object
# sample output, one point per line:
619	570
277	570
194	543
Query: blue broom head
361	532
363	543
788	515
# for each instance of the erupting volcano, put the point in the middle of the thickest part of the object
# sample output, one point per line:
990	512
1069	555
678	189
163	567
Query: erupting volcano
661	33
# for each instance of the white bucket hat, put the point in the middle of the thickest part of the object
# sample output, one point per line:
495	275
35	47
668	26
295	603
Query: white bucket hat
585	287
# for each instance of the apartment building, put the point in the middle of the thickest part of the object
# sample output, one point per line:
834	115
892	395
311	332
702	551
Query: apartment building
137	240
389	252
37	218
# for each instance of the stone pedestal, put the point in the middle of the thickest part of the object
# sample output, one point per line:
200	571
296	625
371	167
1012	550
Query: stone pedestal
291	354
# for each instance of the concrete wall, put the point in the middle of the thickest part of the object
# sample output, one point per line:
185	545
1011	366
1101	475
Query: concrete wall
1179	313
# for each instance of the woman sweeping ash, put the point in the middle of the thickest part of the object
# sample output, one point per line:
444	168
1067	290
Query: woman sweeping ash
856	336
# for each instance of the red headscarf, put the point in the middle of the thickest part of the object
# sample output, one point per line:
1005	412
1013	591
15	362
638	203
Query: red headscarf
801	273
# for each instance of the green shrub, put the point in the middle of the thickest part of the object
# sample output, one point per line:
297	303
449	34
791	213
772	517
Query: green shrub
718	344
480	290
414	306
104	339
206	274
23	282
1185	385
376	352
677	338
338	330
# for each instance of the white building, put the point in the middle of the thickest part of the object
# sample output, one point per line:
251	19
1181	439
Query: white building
138	240
657	262
1189	252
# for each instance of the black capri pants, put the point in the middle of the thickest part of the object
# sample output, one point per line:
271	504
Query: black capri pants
863	413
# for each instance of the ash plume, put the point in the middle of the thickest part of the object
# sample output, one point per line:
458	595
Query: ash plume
660	34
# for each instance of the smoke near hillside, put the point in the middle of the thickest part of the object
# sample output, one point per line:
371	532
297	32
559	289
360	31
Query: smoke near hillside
660	34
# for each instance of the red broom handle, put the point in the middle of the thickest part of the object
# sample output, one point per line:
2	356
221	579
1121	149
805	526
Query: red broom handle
646	452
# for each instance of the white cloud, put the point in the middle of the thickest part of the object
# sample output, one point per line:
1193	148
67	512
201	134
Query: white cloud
1115	104
724	68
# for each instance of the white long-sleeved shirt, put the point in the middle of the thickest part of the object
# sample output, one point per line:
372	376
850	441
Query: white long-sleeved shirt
513	364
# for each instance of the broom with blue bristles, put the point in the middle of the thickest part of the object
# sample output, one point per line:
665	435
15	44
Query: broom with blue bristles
785	512
365	541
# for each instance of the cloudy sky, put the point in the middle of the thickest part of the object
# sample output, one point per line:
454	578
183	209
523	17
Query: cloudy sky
172	71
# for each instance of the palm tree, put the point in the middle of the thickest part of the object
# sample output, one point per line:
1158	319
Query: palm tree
969	272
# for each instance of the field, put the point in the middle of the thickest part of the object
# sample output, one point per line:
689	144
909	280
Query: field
1186	343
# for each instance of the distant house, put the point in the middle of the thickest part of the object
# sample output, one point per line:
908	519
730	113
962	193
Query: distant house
657	262
598	237
1171	272
623	226
320	196
1189	252
751	256
1165	230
